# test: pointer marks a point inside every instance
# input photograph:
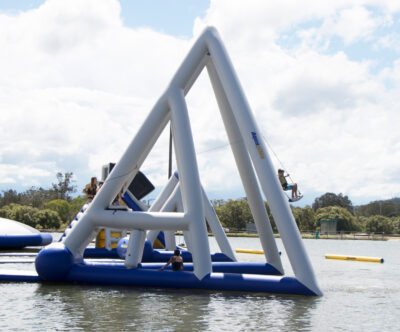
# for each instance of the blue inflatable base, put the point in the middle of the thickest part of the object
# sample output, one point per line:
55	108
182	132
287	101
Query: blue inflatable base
147	275
100	253
114	275
21	241
56	263
141	277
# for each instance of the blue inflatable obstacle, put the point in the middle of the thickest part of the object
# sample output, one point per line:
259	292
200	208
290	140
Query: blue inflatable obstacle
14	234
56	263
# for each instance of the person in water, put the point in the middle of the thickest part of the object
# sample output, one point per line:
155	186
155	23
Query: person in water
91	189
285	186
176	262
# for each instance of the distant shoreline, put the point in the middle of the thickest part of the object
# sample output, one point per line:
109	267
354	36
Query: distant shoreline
352	236
355	236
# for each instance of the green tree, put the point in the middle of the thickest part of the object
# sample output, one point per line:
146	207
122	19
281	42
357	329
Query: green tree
234	214
346	221
21	213
388	208
37	197
65	187
396	225
331	199
379	224
9	197
62	207
76	205
305	218
47	219
31	216
218	202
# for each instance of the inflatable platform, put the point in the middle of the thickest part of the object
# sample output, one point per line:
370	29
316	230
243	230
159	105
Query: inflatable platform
14	234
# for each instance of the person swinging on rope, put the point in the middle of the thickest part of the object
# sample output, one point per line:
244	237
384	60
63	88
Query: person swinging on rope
286	186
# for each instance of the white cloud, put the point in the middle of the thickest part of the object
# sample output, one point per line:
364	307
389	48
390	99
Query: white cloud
30	175
327	117
76	85
351	24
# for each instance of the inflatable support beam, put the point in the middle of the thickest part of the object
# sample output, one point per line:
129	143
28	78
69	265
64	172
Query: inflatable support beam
21	241
355	258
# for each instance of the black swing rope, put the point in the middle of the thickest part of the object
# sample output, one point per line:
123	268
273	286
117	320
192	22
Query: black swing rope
230	143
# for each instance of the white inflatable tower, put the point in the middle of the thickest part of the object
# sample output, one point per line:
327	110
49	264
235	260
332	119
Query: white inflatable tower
251	156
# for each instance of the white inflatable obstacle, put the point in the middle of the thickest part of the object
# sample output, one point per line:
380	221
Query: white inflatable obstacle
255	169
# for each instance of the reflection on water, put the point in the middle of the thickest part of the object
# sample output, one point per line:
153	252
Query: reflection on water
97	309
255	313
357	297
100	308
87	308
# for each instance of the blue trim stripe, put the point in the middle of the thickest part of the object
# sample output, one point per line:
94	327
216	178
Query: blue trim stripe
130	202
254	135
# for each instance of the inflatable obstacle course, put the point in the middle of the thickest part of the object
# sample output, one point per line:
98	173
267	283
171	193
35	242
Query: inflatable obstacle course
183	204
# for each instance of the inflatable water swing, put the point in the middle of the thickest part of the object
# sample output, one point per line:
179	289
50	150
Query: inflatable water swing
16	235
182	204
295	199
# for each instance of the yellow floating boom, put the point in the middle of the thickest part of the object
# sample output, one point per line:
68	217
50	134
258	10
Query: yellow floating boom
355	258
250	251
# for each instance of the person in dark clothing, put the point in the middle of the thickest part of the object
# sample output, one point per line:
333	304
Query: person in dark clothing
91	189
176	262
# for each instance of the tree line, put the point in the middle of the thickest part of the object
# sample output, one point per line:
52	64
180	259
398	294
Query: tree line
42	208
375	217
54	208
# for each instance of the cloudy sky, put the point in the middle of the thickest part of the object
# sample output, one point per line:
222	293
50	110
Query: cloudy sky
79	77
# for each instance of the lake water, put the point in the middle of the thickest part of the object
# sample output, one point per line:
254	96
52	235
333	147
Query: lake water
358	296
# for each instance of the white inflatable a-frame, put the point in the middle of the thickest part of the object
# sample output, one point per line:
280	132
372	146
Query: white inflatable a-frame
63	261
